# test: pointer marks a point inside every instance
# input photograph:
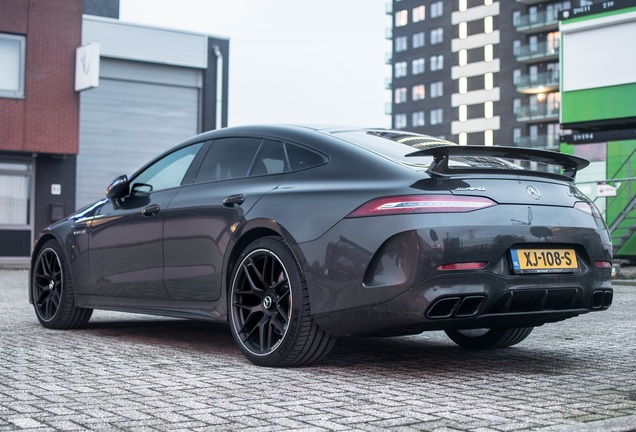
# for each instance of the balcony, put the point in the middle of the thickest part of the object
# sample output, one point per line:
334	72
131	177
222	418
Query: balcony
388	58
538	22
388	33
388	83
389	8
539	52
544	142
388	108
538	113
543	82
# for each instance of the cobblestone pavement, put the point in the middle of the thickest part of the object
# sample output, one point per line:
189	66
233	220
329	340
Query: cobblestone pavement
131	372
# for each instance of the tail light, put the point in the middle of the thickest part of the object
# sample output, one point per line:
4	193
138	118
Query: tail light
588	208
407	204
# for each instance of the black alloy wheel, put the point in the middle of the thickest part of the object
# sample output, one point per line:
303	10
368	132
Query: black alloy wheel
269	308
52	291
489	338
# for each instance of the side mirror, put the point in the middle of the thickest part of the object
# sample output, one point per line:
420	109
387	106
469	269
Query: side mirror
118	189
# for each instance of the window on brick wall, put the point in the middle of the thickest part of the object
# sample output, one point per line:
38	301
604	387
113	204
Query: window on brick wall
15	193
11	66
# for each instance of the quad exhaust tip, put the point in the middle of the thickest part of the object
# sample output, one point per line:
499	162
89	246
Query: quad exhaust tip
456	307
602	299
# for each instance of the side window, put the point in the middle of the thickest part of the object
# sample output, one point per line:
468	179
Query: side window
301	158
167	172
271	159
228	158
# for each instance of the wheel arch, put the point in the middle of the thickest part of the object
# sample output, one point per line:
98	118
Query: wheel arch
250	232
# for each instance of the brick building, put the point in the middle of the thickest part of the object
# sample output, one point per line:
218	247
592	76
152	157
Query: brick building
39	117
59	148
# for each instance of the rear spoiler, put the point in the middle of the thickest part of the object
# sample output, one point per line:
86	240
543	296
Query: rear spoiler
441	154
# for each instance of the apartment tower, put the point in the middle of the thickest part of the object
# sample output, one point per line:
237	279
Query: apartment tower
478	72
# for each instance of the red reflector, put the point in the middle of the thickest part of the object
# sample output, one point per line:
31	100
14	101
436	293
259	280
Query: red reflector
421	204
463	266
604	264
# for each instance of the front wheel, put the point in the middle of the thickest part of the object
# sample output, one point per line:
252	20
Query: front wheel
52	290
489	338
269	309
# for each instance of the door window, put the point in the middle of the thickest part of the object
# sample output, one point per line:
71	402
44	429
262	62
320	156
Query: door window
228	158
167	172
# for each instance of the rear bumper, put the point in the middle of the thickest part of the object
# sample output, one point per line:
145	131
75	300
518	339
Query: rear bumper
458	302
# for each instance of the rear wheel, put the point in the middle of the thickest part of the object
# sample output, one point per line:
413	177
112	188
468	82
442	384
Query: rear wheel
52	290
489	338
269	309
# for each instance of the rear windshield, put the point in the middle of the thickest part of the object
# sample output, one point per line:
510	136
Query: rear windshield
397	145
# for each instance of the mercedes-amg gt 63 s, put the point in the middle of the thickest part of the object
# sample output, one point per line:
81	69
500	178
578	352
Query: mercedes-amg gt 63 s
296	236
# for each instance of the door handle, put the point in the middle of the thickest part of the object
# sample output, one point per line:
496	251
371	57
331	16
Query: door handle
151	210
234	200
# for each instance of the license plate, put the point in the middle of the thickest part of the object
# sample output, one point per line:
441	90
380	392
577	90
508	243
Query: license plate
543	260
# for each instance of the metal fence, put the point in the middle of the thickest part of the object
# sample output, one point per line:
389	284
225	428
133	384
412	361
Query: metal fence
616	199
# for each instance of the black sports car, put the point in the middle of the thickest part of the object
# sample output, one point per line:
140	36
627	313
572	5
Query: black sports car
298	235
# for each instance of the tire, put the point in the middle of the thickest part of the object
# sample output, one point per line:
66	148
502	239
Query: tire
489	338
52	290
269	311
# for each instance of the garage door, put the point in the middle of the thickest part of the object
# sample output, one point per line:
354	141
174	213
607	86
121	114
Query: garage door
138	111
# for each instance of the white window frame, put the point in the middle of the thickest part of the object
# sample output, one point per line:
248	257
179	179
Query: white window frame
418	119
437	89
437	9
437	36
401	69
401	43
419	13
437	62
437	116
401	95
419	39
18	168
17	93
418	92
418	66
401	18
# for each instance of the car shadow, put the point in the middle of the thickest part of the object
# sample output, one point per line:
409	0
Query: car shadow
198	336
429	353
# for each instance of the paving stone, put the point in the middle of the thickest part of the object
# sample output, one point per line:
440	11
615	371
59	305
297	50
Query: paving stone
131	372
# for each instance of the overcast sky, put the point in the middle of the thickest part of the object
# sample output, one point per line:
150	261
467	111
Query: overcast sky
291	61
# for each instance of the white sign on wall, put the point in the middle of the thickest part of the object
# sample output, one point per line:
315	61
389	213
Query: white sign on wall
87	66
605	190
